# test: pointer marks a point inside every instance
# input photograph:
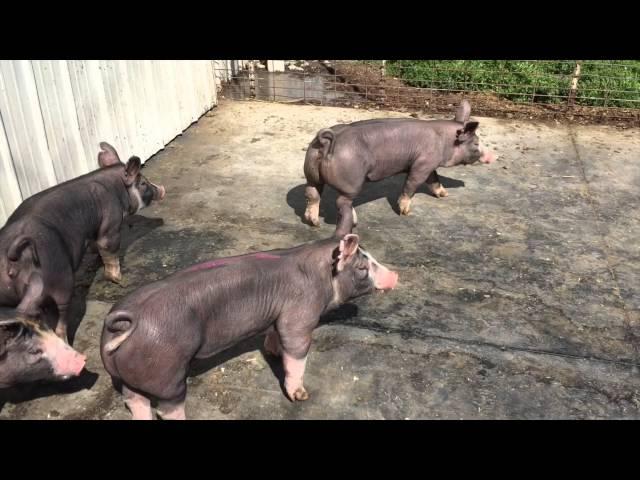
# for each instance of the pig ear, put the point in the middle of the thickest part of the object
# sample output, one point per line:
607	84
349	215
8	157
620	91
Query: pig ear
348	247
469	129
132	170
463	112
108	156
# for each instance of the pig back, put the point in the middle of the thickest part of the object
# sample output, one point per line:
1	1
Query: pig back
73	209
201	312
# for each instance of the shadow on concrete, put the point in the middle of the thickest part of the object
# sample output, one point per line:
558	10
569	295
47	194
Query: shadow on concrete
133	228
388	188
198	367
31	391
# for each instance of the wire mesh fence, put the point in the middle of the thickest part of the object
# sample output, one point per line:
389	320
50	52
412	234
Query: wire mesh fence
594	90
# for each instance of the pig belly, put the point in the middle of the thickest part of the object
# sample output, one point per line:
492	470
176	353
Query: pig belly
228	330
388	167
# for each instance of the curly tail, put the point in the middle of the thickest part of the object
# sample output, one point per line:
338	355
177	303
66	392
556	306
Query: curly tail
120	326
327	138
321	148
18	246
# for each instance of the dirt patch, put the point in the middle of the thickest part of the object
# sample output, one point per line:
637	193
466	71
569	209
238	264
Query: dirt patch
370	89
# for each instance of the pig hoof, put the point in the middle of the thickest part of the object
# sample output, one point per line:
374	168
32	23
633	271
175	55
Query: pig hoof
314	222
404	209
440	192
300	395
404	205
113	278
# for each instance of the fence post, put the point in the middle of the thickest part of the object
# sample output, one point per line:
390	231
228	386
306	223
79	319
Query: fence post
383	72
574	85
252	80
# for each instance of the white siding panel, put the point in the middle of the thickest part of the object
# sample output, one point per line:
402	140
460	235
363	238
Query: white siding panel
10	196
153	102
54	113
24	127
60	118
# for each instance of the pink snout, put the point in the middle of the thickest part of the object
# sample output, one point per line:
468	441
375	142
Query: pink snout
488	157
385	279
66	362
161	191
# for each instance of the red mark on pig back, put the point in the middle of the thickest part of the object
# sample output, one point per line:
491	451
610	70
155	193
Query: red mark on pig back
226	261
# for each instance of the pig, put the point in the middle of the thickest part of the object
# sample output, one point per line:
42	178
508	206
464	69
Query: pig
346	156
50	231
150	337
30	350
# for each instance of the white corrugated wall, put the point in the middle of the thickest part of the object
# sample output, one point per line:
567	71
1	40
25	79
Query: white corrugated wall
54	113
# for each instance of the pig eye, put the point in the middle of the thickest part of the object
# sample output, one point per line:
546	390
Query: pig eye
16	330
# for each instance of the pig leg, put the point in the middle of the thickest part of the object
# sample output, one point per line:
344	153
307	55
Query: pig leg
63	320
111	266
434	186
414	179
272	343
293	379
173	410
313	194
295	347
31	302
108	248
345	221
61	294
139	405
108	244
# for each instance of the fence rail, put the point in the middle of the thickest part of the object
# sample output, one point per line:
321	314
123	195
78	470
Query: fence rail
596	89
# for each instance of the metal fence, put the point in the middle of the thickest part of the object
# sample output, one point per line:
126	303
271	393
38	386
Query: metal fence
599	90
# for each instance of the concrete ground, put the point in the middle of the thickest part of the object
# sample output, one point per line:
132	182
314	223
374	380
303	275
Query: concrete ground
518	294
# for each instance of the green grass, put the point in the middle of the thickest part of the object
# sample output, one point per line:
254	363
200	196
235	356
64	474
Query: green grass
602	83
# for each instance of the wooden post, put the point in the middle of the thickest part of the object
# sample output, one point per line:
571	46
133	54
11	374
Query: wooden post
252	80
574	85
383	72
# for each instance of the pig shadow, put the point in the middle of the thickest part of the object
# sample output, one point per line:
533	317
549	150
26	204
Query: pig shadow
389	188
133	228
198	367
40	389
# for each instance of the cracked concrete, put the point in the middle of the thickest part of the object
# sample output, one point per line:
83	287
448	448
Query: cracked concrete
518	294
